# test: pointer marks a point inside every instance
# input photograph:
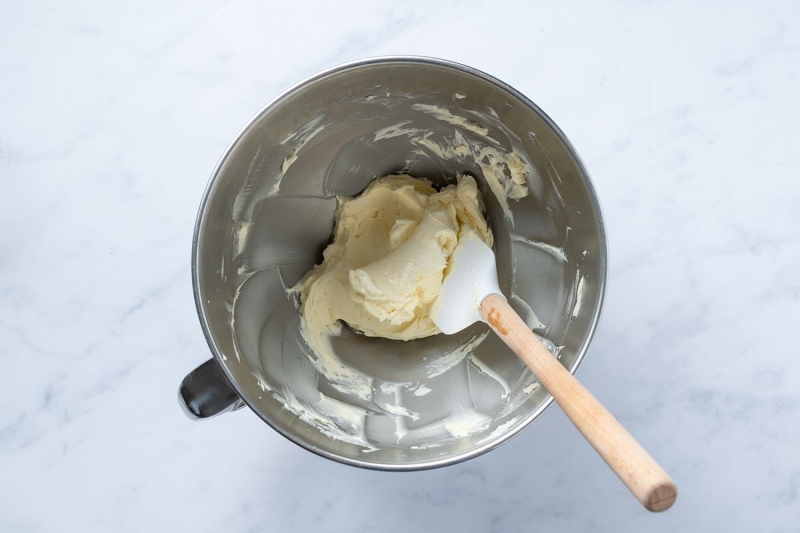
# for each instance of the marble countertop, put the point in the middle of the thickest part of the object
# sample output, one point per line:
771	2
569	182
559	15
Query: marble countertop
112	117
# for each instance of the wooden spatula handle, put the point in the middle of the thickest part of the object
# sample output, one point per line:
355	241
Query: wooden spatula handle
634	466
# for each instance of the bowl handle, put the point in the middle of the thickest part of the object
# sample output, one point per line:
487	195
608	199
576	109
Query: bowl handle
206	392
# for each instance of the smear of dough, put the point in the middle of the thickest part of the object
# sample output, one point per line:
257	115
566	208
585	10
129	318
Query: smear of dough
444	114
506	172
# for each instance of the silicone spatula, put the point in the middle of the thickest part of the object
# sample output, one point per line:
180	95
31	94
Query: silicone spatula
471	293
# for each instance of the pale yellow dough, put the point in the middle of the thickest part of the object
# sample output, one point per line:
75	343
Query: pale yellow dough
384	270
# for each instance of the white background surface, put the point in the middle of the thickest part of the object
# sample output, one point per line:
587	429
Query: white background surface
112	117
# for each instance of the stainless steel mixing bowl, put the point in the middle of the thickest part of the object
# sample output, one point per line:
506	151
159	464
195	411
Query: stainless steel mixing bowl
268	213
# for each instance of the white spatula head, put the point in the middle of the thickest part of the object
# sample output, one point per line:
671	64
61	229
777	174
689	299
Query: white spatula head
470	277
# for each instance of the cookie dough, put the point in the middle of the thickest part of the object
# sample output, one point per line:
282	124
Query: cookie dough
384	270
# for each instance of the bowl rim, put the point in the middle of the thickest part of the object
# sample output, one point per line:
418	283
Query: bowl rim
199	303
